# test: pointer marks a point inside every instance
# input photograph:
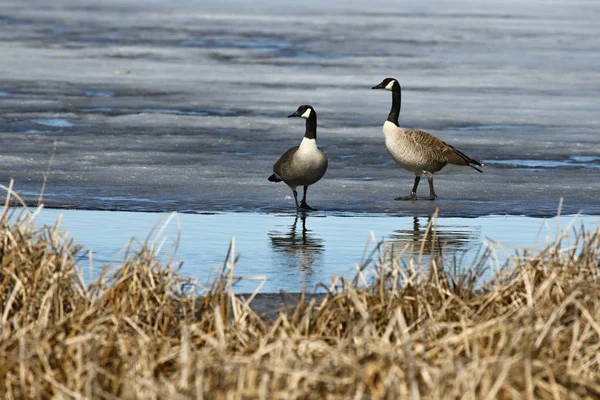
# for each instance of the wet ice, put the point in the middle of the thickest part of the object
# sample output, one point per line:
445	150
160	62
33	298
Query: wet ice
185	103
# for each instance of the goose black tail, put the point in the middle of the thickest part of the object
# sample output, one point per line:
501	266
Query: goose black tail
475	168
474	164
274	178
470	161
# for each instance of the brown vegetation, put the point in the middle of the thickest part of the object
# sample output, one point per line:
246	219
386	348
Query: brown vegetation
146	332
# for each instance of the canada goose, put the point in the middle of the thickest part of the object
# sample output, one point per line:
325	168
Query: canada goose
305	164
416	150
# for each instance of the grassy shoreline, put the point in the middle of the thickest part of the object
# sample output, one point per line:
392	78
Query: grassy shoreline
143	331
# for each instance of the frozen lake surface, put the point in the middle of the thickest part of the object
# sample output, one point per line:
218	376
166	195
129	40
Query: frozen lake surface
294	253
181	106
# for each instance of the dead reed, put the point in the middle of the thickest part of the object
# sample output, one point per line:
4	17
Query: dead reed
408	331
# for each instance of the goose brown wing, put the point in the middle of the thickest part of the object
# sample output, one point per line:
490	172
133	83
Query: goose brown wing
440	151
283	164
459	158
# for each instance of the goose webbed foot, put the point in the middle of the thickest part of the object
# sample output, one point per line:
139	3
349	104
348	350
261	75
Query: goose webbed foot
412	196
305	207
413	192
432	194
431	197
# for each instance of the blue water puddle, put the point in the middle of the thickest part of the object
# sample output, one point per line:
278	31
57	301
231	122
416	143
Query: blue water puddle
53	122
572	162
362	178
292	252
584	159
59	31
98	93
96	109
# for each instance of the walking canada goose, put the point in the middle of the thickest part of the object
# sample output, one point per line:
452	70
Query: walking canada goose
305	164
416	150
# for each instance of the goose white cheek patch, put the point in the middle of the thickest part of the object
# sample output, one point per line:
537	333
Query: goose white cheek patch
306	114
390	85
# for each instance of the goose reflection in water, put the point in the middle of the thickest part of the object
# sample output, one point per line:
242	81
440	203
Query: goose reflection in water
441	240
298	245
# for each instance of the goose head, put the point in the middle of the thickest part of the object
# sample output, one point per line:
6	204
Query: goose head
304	111
388	84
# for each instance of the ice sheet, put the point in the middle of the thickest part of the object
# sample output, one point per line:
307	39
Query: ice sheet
181	106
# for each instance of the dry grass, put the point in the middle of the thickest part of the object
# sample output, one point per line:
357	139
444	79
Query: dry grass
145	332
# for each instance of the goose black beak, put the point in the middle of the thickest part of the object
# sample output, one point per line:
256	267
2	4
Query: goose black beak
380	86
293	115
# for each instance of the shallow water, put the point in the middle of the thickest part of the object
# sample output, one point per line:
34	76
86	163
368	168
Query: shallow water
295	252
181	106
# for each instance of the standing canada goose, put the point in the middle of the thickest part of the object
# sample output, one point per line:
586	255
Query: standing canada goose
305	164
416	150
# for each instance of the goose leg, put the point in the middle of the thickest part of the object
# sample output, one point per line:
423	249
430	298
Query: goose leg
432	194
296	198
413	194
303	205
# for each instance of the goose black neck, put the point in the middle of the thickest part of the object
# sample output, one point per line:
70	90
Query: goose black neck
395	111
311	126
